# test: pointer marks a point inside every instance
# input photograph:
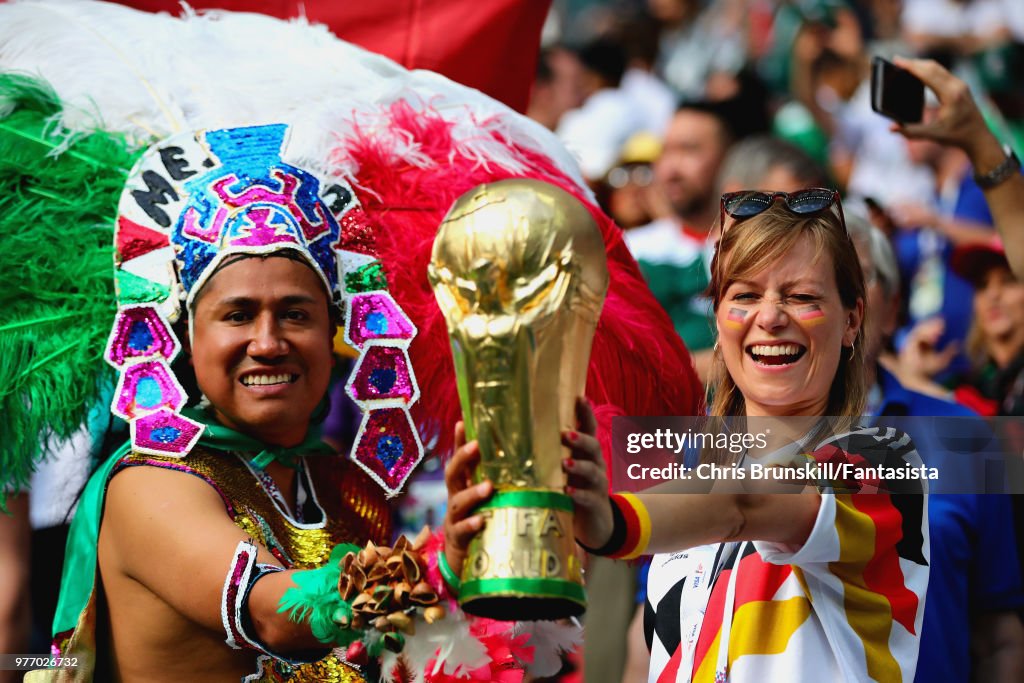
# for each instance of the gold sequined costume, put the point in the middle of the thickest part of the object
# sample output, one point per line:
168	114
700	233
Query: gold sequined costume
354	510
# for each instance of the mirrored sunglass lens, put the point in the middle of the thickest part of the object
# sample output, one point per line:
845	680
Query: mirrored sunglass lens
810	202
618	177
747	206
642	175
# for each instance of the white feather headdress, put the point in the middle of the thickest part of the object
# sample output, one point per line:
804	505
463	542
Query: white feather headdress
225	69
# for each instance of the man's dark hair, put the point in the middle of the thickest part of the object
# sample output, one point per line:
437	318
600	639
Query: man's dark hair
742	115
545	74
606	58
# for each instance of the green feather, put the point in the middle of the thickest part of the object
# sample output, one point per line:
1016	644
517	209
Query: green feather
314	599
58	204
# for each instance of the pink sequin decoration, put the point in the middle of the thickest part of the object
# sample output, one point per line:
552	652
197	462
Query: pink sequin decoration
241	564
145	387
375	315
356	233
387	446
263	227
140	332
383	373
283	198
164	433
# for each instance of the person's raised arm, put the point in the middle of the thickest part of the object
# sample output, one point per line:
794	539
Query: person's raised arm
960	123
680	520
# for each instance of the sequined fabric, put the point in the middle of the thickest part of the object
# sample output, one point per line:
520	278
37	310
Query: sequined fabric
355	511
329	669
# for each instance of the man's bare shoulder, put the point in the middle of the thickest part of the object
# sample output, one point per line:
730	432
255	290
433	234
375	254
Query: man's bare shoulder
140	489
165	545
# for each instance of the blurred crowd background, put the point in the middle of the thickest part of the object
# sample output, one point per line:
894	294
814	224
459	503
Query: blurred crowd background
669	103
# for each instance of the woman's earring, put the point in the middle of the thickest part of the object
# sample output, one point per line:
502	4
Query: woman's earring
853	349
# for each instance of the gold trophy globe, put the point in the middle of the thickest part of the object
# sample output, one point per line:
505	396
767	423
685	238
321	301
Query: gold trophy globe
519	272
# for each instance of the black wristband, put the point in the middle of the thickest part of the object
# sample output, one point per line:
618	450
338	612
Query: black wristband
618	536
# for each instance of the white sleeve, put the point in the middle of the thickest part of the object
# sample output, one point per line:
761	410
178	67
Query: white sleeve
821	546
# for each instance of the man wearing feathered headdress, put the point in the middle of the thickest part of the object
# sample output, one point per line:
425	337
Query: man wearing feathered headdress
238	243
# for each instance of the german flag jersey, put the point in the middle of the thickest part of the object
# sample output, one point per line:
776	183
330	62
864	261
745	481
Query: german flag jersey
847	605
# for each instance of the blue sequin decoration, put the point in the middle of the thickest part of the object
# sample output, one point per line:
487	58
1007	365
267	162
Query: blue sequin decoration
383	379
377	323
148	393
252	155
389	450
140	338
165	434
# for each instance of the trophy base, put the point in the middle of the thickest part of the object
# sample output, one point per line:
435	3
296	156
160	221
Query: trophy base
523	609
523	565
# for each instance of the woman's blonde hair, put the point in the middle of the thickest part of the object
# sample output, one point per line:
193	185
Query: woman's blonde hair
750	246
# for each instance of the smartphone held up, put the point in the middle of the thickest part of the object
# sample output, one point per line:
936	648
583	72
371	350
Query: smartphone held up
895	92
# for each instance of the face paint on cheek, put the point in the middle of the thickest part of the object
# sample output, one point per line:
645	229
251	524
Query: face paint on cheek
810	315
736	318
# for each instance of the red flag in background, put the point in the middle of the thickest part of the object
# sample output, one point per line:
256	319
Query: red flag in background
490	45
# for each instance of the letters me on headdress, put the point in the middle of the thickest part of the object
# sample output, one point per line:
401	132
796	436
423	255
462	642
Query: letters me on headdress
195	199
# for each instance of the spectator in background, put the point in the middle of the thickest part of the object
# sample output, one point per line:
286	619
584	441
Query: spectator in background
832	18
975	586
654	100
557	87
929	228
596	131
865	157
995	385
883	27
628	193
15	535
959	123
697	40
996	342
948	30
768	163
673	252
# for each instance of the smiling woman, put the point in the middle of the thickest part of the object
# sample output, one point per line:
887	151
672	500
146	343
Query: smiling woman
789	332
756	586
788	296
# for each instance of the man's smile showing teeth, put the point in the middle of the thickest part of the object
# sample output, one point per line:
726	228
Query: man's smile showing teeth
266	380
776	354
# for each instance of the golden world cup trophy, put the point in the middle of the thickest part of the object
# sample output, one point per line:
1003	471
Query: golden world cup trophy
519	271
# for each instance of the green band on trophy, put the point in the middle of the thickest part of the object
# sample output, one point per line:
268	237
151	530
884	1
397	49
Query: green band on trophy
529	499
535	588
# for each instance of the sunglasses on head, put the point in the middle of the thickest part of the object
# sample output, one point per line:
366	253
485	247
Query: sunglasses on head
748	203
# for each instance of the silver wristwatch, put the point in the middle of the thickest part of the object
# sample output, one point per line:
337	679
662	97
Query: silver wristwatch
1008	167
